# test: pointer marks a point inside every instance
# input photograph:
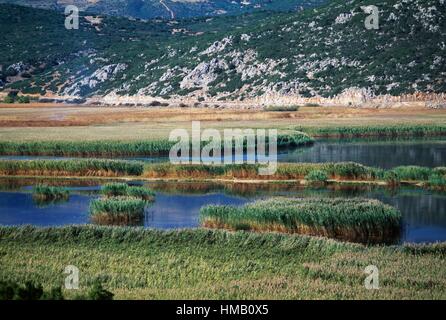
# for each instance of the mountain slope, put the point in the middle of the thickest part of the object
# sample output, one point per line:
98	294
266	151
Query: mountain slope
318	52
170	9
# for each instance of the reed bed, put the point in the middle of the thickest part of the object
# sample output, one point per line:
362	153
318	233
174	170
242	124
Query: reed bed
437	182
50	193
86	148
117	210
377	131
285	171
413	173
122	189
78	167
120	148
357	220
330	172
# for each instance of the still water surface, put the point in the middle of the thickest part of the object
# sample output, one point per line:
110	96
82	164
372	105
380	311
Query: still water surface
177	205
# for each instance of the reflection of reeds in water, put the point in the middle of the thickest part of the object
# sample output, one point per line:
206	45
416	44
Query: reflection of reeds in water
46	203
258	189
117	220
356	220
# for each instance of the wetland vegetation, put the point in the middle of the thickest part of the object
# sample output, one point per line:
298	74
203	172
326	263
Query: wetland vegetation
377	131
358	220
44	193
273	248
104	148
216	264
72	167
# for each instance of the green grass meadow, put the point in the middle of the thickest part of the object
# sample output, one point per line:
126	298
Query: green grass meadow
203	264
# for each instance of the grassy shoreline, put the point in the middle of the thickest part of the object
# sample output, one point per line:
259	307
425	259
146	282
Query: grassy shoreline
341	172
428	130
215	264
103	148
79	167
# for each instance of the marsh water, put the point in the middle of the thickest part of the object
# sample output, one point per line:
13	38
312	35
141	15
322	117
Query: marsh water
379	153
177	205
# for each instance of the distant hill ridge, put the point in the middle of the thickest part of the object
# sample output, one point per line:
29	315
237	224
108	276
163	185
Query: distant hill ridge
316	53
168	9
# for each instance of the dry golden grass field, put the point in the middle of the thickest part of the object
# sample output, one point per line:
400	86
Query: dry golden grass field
65	122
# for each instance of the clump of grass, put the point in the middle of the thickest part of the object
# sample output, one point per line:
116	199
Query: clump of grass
97	292
46	193
414	173
437	181
77	167
296	139
377	131
316	177
114	189
361	220
122	189
117	210
141	193
282	108
392	178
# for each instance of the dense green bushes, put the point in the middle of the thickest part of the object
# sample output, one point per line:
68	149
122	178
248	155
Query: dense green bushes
28	291
10	290
348	219
80	167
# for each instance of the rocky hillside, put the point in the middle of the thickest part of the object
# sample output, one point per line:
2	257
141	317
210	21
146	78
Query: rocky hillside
323	52
171	9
